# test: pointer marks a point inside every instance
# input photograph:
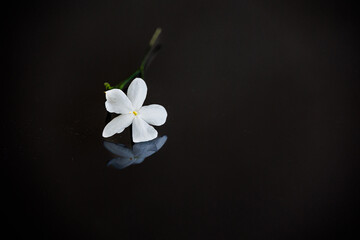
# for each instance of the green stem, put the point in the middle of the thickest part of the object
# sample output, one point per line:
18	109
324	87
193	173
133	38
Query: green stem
141	70
142	66
152	44
123	84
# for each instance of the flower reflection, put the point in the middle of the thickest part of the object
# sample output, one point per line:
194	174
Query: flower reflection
135	155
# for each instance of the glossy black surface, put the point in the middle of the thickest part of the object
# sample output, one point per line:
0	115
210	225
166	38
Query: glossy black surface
262	130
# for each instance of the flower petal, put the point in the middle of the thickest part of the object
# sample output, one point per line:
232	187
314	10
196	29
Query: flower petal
118	124
117	102
153	114
137	93
142	131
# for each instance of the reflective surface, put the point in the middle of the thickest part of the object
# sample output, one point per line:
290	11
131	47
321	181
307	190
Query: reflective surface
263	120
126	156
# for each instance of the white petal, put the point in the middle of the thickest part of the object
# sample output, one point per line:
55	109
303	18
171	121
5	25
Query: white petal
153	114
117	102
142	131
137	93
118	124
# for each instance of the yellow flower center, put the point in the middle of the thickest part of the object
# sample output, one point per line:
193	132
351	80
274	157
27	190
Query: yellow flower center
135	113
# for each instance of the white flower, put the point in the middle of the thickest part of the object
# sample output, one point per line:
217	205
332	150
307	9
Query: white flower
132	112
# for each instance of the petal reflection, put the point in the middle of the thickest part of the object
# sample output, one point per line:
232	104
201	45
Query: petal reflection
135	155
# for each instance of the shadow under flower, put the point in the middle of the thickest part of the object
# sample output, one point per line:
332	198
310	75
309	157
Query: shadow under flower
135	155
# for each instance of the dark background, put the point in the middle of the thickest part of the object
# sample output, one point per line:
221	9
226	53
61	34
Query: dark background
263	124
